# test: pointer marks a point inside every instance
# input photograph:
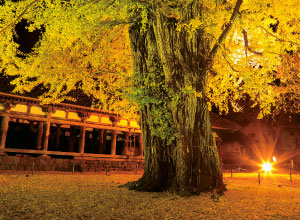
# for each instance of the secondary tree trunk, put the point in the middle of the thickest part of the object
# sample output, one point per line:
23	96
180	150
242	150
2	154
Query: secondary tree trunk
189	163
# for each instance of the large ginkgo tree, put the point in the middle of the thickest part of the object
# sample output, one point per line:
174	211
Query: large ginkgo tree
173	59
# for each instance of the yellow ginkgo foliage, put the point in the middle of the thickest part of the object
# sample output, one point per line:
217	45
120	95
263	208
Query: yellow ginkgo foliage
79	48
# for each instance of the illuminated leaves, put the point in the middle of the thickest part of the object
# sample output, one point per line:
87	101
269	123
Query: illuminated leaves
250	65
85	46
80	47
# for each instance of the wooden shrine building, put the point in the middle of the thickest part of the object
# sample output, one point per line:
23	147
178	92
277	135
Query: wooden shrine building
73	131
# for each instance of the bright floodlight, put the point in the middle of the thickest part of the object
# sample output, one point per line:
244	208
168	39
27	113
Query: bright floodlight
267	167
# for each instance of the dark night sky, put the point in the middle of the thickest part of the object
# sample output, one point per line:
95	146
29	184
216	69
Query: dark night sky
26	39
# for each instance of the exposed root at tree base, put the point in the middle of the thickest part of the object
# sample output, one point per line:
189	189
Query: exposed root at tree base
143	185
150	186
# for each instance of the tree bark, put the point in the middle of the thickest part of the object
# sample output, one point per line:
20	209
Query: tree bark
189	163
159	169
185	66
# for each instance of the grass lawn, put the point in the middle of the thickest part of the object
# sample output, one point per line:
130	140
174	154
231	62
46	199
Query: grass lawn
96	196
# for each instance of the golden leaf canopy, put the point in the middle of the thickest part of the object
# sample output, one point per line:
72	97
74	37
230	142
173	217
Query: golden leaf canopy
85	45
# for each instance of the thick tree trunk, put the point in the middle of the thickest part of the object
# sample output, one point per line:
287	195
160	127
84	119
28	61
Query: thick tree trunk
159	167
190	163
185	55
196	156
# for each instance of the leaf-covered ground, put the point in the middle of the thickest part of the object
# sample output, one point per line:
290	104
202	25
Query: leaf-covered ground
96	196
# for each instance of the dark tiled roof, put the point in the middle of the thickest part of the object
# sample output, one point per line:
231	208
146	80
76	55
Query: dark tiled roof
221	123
81	98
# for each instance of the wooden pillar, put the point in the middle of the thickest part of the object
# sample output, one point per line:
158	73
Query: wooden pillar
82	139
57	137
126	142
113	143
141	145
39	136
46	135
72	138
3	131
101	141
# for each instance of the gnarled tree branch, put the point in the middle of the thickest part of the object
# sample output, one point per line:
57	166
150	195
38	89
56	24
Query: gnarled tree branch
224	34
247	45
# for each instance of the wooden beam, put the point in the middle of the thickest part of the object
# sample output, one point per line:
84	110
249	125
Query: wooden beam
70	107
15	150
20	115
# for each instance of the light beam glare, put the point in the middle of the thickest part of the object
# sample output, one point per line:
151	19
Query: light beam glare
267	167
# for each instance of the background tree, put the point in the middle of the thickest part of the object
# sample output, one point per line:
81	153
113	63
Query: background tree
187	55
